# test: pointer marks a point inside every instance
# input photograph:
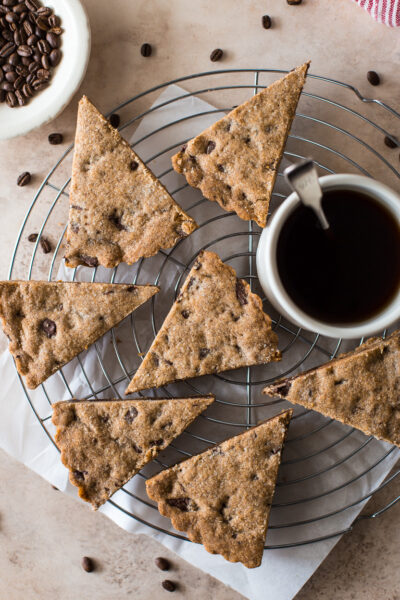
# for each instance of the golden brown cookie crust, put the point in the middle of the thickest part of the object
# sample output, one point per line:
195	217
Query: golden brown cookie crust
49	323
360	388
222	498
119	211
216	324
105	443
235	161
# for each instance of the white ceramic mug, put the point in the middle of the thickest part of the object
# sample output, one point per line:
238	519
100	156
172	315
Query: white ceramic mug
268	269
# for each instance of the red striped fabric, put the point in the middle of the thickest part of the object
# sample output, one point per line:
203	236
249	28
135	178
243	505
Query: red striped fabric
384	11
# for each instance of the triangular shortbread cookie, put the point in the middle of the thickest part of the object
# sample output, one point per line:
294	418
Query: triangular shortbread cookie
119	211
48	323
235	161
222	497
360	388
105	443
216	324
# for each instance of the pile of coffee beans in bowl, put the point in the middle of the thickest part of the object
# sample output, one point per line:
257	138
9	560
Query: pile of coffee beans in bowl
30	40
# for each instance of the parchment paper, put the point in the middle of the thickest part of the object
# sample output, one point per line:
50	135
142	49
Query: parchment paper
283	571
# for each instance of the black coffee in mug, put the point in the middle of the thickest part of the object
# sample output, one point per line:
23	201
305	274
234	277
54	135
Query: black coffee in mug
349	273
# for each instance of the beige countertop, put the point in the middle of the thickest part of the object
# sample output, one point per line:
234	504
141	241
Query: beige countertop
44	534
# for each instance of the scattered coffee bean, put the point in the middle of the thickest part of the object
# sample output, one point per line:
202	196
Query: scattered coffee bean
162	563
373	78
146	50
390	143
45	244
168	585
266	22
32	237
24	179
55	138
216	54
294	2
87	564
114	120
30	34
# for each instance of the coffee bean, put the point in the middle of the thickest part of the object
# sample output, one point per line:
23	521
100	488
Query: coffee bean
55	57
11	99
33	67
46	64
32	237
162	563
168	585
294	2
19	8
30	78
26	61
114	120
39	84
52	39
44	74
7	49
266	22
40	33
18	83
87	564
55	138
19	37
7	86
20	97
32	5
9	2
2	96
27	90
390	143
24	50
42	23
216	54
24	179
11	76
28	28
54	21
43	47
146	50
32	40
45	244
11	17
44	11
373	78
22	70
14	59
56	30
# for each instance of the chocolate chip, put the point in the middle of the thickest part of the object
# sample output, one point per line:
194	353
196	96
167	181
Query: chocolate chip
156	360
162	563
24	179
210	147
180	503
79	475
87	564
373	78
116	221
32	237
131	288
45	244
221	168
55	138
185	314
76	207
146	50
134	165
49	327
158	442
90	261
266	21
183	148
390	143
168	585
131	415
241	293
114	120
74	227
203	352
282	389
216	54
136	448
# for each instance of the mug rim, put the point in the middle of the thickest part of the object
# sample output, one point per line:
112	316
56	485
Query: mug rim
268	269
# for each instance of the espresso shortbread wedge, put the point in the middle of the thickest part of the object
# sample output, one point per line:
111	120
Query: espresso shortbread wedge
360	388
222	497
215	324
235	161
48	323
119	211
105	443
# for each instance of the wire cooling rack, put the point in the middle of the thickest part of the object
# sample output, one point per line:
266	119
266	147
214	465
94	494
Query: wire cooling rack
327	468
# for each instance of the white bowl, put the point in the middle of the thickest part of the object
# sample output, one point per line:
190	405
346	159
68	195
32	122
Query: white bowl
271	283
66	79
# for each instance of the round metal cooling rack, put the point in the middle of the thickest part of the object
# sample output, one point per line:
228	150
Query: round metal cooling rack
328	470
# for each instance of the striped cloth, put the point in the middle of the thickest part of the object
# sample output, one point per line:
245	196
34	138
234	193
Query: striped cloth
384	11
